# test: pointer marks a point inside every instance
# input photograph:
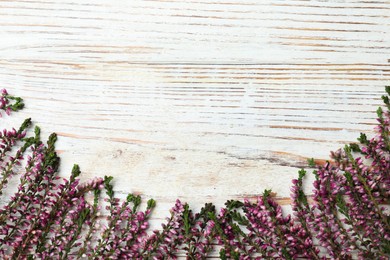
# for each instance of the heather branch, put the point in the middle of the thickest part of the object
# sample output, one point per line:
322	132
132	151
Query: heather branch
8	171
50	166
62	199
92	225
36	214
25	178
165	243
197	235
80	220
10	103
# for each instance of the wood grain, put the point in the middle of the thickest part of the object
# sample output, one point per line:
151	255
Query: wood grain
201	100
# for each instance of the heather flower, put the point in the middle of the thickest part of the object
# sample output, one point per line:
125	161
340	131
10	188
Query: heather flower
197	230
10	103
126	227
8	140
55	218
37	203
273	233
166	243
329	230
303	218
227	231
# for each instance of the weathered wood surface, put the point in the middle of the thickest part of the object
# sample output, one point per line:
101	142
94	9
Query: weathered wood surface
200	100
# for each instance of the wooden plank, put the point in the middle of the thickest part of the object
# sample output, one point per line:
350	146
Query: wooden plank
201	100
196	31
201	128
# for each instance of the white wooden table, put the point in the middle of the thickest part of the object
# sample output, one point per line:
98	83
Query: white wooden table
200	100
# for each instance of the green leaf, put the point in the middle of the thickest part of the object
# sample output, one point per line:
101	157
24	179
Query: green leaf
18	105
340	202
26	123
302	198
286	254
363	138
96	195
136	200
355	147
234	204
387	89
108	186
242	220
315	173
379	112
236	229
222	254
75	171
348	176
37	132
151	204
107	180
311	162
235	255
385	100
267	193
186	219
52	140
301	174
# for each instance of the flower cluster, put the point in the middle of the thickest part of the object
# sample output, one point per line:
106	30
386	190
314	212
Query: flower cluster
50	217
10	103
